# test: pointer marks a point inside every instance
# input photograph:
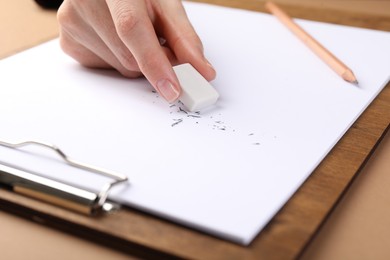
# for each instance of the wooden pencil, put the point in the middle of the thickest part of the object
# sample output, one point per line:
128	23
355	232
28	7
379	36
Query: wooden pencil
333	62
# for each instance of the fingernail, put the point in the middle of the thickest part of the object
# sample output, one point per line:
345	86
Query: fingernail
167	90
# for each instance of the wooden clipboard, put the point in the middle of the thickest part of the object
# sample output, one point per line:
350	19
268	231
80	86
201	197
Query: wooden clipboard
289	231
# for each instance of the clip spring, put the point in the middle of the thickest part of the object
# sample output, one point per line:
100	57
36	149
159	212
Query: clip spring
49	190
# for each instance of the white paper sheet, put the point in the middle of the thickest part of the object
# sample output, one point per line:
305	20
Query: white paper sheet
228	172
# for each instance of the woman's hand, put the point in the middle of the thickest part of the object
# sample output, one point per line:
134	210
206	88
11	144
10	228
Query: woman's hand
135	37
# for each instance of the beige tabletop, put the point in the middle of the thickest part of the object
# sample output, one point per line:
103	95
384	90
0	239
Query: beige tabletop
357	229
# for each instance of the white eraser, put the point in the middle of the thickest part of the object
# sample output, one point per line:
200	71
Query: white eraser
197	92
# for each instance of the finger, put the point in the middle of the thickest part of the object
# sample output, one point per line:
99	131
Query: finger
182	37
100	20
80	53
77	36
136	31
88	58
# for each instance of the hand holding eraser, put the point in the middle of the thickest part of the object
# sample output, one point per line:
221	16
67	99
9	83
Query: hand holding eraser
197	93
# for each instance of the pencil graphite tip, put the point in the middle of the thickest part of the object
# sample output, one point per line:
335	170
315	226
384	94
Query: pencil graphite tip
349	76
354	82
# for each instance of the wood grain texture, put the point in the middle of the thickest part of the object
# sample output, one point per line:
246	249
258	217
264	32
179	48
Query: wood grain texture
358	17
289	231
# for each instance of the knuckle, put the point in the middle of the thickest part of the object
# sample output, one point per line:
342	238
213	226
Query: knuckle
66	45
126	58
128	61
67	17
73	50
126	22
64	13
149	61
185	39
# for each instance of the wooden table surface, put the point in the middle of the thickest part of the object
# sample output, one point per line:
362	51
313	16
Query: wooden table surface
357	227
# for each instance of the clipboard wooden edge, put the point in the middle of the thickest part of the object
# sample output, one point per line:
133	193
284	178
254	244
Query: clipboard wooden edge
284	237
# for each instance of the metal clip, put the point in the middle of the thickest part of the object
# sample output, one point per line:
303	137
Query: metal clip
32	184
